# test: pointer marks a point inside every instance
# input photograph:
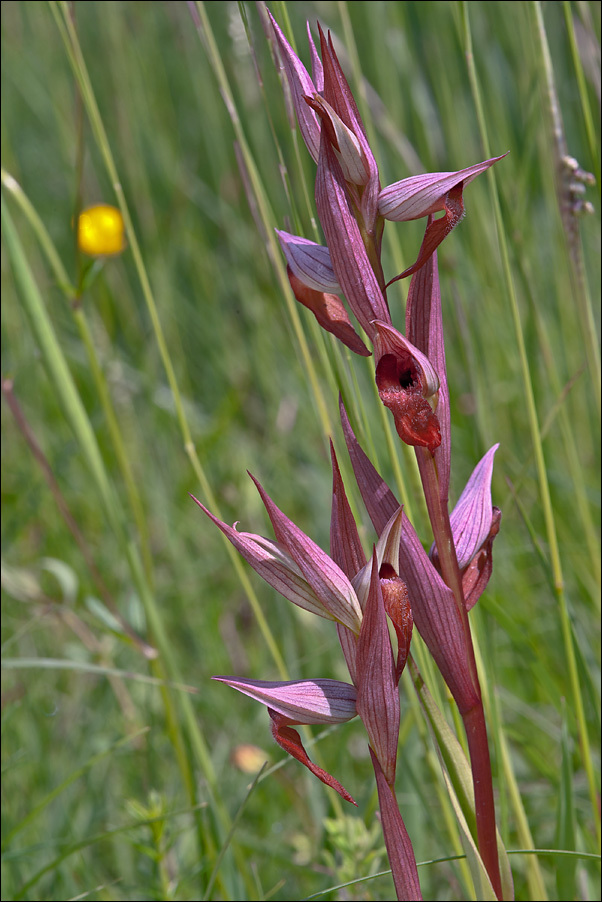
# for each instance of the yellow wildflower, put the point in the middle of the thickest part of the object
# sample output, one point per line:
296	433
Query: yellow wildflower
100	231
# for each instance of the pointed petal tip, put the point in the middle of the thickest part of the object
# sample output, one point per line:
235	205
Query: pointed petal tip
424	194
204	509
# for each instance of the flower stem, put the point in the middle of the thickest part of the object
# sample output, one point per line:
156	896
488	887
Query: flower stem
473	716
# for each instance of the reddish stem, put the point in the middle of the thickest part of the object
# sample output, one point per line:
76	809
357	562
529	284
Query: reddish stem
480	763
474	717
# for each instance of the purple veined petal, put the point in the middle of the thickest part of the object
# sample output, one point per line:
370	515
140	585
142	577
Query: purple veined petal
326	579
377	693
336	87
396	600
387	547
317	69
379	500
346	145
438	229
399	846
421	195
300	85
347	251
478	572
346	550
424	328
309	261
289	740
345	546
471	517
339	95
301	701
274	565
437	618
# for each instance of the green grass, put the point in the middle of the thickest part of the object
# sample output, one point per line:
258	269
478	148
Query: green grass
188	363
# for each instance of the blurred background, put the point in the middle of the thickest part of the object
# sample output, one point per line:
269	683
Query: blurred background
182	363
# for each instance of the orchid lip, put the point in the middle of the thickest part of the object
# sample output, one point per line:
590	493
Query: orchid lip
390	341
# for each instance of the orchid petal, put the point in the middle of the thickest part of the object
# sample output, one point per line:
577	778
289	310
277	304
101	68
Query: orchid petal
424	328
379	500
327	580
387	547
399	846
274	565
345	546
437	618
471	517
301	701
420	195
390	341
300	85
346	551
396	600
344	142
387	552
348	255
317	69
309	261
377	694
438	229
339	95
478	573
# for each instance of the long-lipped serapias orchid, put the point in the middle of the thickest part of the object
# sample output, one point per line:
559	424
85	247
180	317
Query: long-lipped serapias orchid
397	582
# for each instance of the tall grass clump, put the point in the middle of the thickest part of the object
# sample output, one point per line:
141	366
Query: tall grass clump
177	357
